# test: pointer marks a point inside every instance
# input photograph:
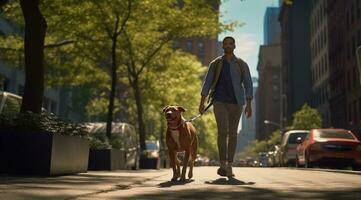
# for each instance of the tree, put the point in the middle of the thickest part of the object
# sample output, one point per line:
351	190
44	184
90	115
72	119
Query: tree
170	21
35	30
306	118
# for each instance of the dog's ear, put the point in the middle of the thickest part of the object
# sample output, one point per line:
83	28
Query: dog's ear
181	108
165	108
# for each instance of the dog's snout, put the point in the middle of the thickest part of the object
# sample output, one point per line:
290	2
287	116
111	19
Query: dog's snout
168	114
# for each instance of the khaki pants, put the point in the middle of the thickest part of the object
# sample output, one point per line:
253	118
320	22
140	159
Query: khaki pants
227	118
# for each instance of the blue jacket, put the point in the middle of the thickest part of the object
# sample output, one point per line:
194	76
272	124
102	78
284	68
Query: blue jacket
240	75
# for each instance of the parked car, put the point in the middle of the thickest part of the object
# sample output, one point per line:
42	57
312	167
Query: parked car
263	159
271	158
334	147
152	149
277	155
289	145
10	104
124	137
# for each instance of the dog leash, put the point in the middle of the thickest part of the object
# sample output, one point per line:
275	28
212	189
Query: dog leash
199	115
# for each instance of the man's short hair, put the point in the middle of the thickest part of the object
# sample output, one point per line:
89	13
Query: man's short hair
229	37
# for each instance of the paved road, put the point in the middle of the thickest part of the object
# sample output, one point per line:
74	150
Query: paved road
250	183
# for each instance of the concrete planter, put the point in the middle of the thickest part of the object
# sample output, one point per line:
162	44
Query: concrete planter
149	163
45	154
106	159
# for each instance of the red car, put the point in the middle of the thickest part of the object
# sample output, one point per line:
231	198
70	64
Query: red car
329	146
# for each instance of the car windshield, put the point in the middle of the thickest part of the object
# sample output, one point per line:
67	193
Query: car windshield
293	137
151	146
341	134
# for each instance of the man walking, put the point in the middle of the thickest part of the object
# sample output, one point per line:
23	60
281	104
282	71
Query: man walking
228	83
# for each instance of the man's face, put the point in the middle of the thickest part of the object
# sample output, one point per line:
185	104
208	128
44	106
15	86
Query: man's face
228	45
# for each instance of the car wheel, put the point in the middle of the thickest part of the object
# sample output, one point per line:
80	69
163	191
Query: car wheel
308	163
356	167
296	162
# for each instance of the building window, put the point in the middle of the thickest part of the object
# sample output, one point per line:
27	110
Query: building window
20	90
359	108
189	45
201	51
176	44
354	111
53	107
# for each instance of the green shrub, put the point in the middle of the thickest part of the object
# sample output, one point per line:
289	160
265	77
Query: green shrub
44	122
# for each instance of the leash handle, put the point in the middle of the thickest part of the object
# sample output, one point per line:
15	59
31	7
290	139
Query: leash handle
209	105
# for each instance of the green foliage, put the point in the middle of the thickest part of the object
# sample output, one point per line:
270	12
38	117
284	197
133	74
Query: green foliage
306	118
261	146
44	122
78	55
99	141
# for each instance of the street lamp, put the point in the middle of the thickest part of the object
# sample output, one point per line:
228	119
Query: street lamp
275	124
358	58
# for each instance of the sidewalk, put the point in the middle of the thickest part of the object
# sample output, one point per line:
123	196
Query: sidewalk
73	186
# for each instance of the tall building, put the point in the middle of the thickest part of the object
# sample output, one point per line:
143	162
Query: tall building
319	60
268	103
247	132
296	57
344	23
271	26
205	48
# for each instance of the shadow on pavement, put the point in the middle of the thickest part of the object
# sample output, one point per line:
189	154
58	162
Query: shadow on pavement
172	183
251	193
230	181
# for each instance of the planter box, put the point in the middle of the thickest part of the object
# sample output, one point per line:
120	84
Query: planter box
149	163
32	153
106	159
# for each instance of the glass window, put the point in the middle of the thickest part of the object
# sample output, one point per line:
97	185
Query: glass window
189	45
292	139
342	134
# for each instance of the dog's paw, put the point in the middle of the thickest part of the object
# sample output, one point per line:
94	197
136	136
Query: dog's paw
183	179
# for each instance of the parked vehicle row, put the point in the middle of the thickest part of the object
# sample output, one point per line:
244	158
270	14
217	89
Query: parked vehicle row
330	147
317	147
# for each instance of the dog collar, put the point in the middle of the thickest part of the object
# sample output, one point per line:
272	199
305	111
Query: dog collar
180	124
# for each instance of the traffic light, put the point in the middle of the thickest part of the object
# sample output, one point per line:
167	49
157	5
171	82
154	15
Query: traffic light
358	57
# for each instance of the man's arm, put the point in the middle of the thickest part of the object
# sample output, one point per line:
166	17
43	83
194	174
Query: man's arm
248	86
206	86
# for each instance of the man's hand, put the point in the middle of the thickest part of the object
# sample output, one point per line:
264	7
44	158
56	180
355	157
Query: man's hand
201	108
248	109
201	105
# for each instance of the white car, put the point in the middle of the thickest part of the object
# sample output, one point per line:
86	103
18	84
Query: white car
9	103
289	145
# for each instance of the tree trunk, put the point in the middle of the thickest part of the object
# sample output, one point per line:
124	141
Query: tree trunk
35	30
113	88
138	100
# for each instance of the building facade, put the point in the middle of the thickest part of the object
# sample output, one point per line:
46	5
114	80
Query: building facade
344	21
319	60
271	26
268	103
296	58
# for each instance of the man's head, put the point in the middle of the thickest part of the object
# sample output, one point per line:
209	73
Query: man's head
229	44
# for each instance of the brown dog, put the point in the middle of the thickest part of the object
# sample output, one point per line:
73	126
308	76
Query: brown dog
181	136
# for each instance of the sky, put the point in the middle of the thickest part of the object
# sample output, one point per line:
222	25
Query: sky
250	36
